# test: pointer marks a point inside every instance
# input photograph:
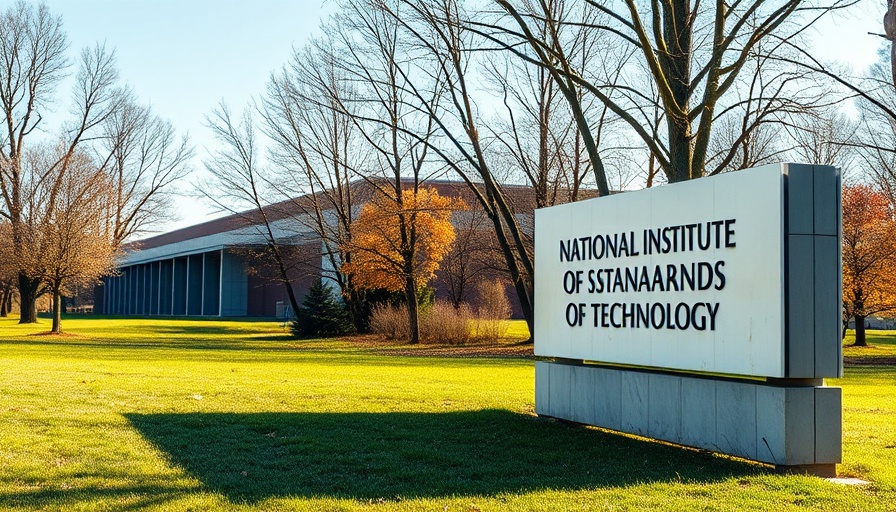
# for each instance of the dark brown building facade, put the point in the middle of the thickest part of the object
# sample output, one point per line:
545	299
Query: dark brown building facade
219	268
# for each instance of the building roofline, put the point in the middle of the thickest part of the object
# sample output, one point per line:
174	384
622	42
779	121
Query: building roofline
277	211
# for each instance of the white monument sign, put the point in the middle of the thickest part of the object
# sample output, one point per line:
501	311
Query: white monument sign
652	306
684	277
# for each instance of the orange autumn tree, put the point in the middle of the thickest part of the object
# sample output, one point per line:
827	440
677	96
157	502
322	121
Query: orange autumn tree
869	255
398	242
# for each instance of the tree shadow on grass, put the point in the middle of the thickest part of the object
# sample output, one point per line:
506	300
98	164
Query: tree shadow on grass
366	456
194	329
127	497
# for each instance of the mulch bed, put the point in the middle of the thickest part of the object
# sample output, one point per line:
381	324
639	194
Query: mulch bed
473	350
56	334
518	350
869	361
466	351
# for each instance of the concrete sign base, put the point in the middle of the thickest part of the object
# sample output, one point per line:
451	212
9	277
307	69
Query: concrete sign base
794	424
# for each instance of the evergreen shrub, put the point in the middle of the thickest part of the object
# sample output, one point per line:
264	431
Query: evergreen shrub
321	314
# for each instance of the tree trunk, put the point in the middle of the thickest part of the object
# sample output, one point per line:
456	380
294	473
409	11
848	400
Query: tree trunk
860	332
57	312
284	275
410	291
890	32
526	307
679	152
28	299
521	286
4	302
676	66
359	309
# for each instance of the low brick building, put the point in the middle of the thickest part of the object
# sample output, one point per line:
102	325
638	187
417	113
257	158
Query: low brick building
219	268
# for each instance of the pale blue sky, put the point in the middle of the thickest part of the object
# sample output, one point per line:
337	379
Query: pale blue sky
183	57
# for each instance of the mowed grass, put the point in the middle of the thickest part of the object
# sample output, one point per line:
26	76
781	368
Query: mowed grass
881	344
190	415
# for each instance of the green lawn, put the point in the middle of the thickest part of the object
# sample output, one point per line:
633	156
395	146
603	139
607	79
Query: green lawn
187	415
880	344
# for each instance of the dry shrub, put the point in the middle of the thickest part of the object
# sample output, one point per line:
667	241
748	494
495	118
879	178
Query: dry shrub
493	312
390	322
439	323
445	324
442	323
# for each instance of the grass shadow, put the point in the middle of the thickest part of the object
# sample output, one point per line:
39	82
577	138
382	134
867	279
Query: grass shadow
126	497
881	349
366	456
182	330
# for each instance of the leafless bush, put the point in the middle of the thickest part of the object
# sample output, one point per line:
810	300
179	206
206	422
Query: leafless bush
445	324
390	322
441	323
493	311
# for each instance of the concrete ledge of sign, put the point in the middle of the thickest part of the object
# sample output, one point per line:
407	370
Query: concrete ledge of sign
795	426
848	481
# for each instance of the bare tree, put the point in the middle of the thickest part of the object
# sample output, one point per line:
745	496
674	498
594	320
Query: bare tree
539	133
238	185
769	99
875	148
436	83
33	47
474	257
694	57
874	142
32	51
824	136
875	138
66	238
135	147
143	157
8	270
377	57
317	152
890	35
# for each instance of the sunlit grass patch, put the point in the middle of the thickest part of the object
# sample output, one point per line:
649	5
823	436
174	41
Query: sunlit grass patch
881	344
174	414
517	330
